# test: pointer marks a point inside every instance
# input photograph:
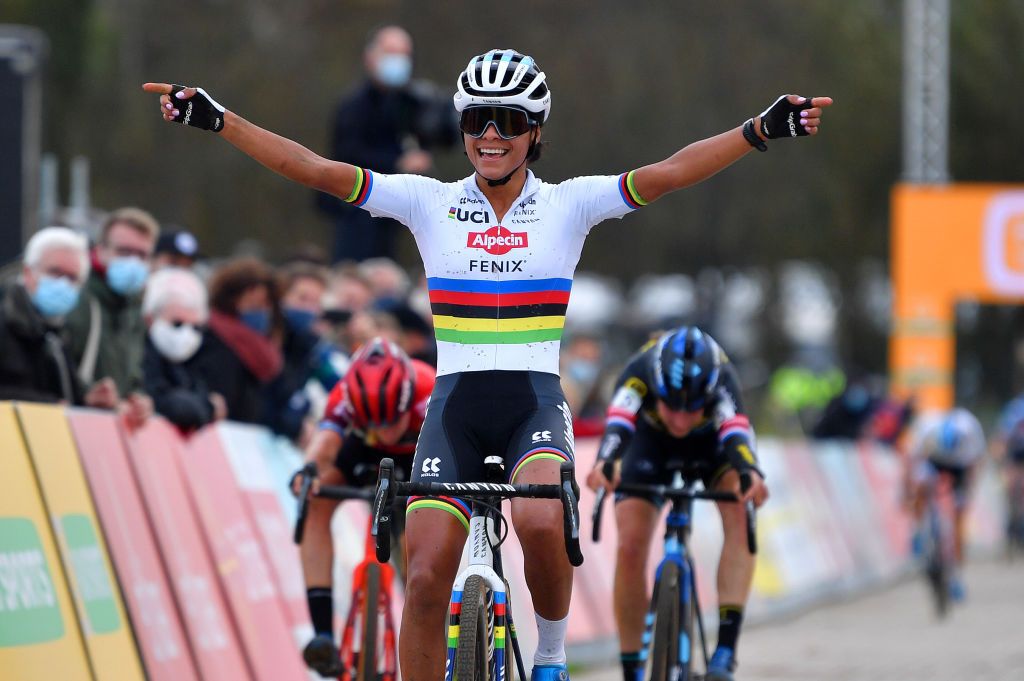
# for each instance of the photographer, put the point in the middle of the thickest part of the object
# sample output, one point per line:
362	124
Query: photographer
390	123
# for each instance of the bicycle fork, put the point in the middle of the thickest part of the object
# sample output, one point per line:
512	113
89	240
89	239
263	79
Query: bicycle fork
481	559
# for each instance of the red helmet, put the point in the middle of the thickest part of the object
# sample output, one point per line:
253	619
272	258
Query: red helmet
379	384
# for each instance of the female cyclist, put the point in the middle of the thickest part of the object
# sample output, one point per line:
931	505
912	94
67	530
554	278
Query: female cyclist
499	249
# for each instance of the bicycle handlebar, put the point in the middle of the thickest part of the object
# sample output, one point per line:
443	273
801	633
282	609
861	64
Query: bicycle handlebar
388	489
337	492
673	493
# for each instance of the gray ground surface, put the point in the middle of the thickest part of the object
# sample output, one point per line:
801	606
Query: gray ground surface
892	636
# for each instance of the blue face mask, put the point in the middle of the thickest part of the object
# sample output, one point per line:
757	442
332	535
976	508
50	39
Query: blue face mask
55	296
127	276
300	320
257	320
393	70
582	371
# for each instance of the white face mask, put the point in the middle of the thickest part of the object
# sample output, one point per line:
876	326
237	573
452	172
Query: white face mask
176	343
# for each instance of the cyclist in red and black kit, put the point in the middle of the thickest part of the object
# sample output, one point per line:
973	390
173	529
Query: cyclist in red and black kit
375	411
679	399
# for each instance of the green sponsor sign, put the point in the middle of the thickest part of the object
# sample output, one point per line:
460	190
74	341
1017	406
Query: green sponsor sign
29	612
92	582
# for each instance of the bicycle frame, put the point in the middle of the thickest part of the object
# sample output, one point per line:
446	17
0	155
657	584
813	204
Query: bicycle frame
676	541
484	542
485	562
349	650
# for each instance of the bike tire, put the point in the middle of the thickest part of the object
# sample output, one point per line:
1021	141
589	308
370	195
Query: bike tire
367	669
471	663
665	653
936	568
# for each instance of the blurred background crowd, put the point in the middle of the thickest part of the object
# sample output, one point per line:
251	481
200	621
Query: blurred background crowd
281	286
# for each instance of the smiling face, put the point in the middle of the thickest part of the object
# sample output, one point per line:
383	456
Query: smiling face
494	157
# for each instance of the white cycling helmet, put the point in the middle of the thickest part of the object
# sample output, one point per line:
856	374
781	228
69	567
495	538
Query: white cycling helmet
504	78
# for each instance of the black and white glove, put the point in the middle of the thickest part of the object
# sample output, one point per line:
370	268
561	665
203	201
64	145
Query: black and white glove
782	119
199	111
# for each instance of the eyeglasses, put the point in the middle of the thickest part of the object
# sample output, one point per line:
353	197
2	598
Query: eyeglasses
128	252
508	122
178	323
58	273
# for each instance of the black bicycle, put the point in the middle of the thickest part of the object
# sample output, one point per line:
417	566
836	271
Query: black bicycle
480	615
674	603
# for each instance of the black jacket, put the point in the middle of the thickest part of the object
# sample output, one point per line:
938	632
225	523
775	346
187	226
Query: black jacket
224	373
35	361
178	390
287	404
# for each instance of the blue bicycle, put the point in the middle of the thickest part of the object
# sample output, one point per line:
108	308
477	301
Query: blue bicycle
674	603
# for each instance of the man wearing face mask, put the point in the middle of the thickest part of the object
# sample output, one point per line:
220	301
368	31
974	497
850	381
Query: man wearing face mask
390	123
106	328
175	311
35	362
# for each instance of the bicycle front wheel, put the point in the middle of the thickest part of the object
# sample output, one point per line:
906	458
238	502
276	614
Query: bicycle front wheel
471	656
367	669
665	654
936	566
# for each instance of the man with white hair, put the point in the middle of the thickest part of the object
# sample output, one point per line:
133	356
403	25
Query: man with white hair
35	362
175	310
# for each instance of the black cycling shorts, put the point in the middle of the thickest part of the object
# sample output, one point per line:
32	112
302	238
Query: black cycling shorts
957	480
359	463
650	451
521	416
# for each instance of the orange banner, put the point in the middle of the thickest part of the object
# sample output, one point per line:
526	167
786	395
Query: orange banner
949	243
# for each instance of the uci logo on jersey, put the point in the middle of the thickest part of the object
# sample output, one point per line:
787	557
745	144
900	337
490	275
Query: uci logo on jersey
497	240
480	217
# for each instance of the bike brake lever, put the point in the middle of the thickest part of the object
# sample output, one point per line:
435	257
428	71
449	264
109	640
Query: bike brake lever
570	515
383	503
308	473
595	519
745	482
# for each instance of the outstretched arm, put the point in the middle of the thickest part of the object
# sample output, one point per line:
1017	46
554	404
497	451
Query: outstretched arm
280	154
701	160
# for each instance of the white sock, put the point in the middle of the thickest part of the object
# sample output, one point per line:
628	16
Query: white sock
550	641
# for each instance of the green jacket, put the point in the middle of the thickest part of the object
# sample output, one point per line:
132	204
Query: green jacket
122	334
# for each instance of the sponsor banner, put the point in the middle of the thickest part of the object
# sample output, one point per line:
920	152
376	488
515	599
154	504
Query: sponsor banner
147	592
154	451
245	573
243	446
39	635
108	636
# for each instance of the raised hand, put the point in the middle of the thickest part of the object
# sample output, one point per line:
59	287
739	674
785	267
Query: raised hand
188	105
792	116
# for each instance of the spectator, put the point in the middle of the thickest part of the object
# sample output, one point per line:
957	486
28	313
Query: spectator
848	414
305	355
389	283
35	360
349	290
581	365
389	123
106	329
175	311
237	358
415	334
177	248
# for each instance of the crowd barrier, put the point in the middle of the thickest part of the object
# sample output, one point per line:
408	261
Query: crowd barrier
141	554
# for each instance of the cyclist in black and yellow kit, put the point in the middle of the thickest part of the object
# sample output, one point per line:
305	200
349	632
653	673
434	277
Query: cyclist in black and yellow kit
679	398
